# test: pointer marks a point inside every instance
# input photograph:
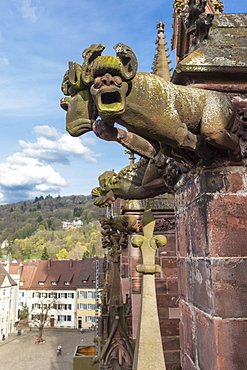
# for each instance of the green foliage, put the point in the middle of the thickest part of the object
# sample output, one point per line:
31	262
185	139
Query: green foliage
62	254
86	254
23	313
31	227
49	212
45	255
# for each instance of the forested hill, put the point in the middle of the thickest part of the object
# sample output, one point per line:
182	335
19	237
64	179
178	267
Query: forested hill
36	225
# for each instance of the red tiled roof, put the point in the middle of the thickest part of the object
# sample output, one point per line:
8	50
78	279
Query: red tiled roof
3	274
27	274
57	271
88	273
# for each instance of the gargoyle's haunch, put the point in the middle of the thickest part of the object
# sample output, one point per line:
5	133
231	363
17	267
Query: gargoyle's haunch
181	119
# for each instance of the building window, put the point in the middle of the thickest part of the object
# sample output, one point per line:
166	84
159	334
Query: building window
41	283
64	318
52	295
90	319
36	295
82	306
67	283
82	294
90	295
70	295
54	283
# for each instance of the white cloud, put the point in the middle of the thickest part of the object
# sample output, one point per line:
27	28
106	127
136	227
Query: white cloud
46	131
52	146
28	11
20	171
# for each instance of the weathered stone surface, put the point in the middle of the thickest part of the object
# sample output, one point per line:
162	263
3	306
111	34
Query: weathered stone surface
228	225
211	222
169	328
172	286
171	343
167	300
200	284
231	344
186	363
182	279
229	280
187	332
206	342
169	266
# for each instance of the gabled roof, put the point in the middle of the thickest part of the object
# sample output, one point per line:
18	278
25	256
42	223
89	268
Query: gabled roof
27	274
87	277
57	274
5	278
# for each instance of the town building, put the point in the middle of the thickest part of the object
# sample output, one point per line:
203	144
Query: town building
88	291
8	303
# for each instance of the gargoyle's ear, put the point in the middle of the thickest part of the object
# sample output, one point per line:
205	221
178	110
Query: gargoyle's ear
89	55
128	59
72	81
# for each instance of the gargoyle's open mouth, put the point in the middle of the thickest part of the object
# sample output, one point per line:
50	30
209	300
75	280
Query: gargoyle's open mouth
111	102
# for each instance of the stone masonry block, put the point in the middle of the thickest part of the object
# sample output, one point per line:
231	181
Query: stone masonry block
169	267
200	284
231	337
206	342
182	279
228	226
229	279
187	331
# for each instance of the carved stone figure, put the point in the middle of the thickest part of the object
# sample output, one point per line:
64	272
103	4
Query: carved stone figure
144	179
182	122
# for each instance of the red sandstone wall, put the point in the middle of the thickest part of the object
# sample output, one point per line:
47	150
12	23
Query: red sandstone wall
212	263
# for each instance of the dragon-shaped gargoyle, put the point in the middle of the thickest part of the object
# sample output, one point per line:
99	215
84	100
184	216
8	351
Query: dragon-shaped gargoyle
145	179
182	122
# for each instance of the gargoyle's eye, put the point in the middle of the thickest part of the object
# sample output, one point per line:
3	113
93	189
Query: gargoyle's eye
117	80
71	91
98	82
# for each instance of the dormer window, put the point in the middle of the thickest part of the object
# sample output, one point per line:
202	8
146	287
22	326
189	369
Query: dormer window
41	283
54	283
84	281
67	283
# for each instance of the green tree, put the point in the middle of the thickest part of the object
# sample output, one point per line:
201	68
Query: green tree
62	254
86	254
45	255
23	313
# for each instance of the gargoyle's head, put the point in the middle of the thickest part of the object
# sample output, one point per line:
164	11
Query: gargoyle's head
103	78
110	78
81	110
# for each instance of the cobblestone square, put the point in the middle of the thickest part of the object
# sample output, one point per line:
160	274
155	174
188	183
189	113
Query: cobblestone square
20	352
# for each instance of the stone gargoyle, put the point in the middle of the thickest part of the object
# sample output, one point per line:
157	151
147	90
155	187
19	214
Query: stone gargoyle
188	124
144	179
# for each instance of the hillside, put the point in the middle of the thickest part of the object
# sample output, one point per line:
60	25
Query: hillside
31	226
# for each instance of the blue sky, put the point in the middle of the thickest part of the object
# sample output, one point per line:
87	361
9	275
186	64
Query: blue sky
37	40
